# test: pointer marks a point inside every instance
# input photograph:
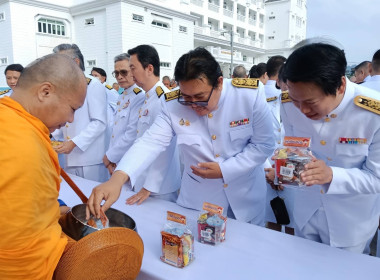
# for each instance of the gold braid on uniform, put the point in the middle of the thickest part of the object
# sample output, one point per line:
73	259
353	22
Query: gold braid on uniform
88	81
271	98
4	92
245	82
368	103
285	97
172	95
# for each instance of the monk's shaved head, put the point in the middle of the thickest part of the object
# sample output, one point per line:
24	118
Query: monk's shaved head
58	69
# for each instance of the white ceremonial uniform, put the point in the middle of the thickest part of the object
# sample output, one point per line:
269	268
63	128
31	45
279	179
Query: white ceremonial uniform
348	140
88	132
162	177
273	96
125	122
112	98
374	83
238	135
6	92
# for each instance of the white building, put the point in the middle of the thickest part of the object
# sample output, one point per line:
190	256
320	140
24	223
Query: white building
105	28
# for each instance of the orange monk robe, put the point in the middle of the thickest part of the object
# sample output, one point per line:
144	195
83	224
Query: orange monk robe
31	243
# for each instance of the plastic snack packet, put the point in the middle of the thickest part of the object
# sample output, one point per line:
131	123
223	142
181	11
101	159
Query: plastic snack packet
177	241
211	224
290	160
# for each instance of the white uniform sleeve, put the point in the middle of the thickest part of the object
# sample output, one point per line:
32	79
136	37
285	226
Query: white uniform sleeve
121	146
148	147
97	108
260	146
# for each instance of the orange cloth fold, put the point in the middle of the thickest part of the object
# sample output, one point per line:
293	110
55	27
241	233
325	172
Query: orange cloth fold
31	240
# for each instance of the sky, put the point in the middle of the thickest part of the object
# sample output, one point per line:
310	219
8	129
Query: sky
354	24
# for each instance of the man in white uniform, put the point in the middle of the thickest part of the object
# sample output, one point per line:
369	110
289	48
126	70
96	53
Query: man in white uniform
126	114
340	206
12	72
162	178
363	72
224	134
374	83
85	137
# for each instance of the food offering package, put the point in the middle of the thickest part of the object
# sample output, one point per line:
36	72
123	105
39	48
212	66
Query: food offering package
177	241
211	224
290	160
56	143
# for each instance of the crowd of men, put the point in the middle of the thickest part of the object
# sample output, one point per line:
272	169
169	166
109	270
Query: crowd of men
200	139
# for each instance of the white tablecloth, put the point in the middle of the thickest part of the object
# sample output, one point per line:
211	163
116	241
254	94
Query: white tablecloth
249	252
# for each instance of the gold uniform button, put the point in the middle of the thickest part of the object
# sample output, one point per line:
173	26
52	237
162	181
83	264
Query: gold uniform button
327	119
115	123
137	131
279	130
217	155
210	115
68	137
333	116
113	136
279	142
67	125
323	142
119	110
139	116
329	159
213	137
322	192
145	102
225	185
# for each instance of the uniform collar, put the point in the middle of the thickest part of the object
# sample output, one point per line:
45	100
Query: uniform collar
129	90
347	98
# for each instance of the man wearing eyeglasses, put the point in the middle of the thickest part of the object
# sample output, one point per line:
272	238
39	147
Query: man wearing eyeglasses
224	134
161	179
126	114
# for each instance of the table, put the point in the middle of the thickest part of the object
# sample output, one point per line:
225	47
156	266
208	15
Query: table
249	252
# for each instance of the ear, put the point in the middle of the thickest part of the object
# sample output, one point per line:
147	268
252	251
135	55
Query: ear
150	69
342	88
45	91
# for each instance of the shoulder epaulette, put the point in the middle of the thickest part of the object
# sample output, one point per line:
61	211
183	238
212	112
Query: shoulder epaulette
172	95
136	90
159	91
4	91
368	103
245	82
271	98
88	80
109	87
285	97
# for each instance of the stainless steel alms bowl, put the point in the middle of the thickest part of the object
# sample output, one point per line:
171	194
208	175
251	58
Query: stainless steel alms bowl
74	224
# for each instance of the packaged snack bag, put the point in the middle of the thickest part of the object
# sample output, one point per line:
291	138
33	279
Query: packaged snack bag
290	160
211	224
177	241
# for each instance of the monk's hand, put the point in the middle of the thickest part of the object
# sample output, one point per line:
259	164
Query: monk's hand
269	176
207	170
317	173
138	197
108	191
66	147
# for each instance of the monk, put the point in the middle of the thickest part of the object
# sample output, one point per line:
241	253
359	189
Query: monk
47	94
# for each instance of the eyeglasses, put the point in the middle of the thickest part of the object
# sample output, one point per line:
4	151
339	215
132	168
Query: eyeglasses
182	101
123	73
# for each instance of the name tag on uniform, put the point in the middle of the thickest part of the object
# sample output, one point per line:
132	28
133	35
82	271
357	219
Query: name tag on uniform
239	122
349	140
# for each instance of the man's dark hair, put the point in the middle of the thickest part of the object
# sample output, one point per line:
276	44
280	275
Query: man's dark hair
196	64
274	64
376	62
14	67
239	72
74	52
362	65
100	71
258	70
318	63
147	55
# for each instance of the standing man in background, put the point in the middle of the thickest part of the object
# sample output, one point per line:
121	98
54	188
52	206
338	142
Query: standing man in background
85	138
363	72
12	72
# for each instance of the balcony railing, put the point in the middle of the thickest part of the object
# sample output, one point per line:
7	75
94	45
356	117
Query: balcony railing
241	40
198	29
215	33
197	2
213	7
252	21
228	13
261	24
241	18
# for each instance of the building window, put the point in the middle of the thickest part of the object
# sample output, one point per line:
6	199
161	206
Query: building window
299	3
91	63
165	64
160	24
182	29
272	17
270	37
244	58
3	61
52	27
298	21
138	18
2	16
89	21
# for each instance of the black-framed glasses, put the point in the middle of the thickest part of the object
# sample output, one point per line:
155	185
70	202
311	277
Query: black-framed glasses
182	100
123	73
